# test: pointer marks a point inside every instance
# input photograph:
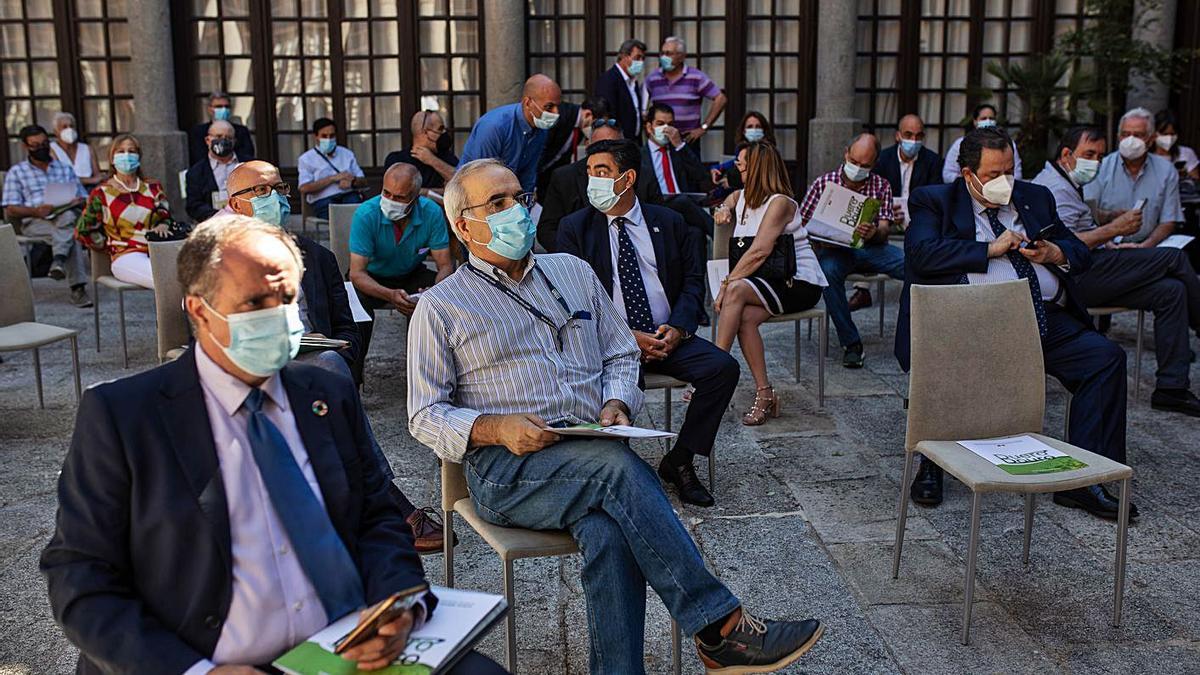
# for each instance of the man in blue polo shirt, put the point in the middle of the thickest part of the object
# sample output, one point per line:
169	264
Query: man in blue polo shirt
516	133
389	239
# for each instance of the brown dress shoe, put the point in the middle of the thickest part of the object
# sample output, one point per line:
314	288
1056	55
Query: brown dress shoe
860	300
427	528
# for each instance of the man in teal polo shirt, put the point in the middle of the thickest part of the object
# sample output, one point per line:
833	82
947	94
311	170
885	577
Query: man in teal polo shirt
389	239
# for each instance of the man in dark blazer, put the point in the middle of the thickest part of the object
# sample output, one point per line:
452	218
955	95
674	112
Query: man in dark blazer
238	512
649	262
908	164
201	184
219	109
206	179
567	191
619	85
665	149
984	224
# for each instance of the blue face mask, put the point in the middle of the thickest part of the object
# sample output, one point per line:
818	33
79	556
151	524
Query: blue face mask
855	173
221	114
261	342
327	145
513	232
910	148
126	162
666	63
635	67
273	208
985	124
754	135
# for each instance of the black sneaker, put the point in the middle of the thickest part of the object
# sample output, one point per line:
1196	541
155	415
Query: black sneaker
853	358
1176	400
687	484
58	269
80	297
759	645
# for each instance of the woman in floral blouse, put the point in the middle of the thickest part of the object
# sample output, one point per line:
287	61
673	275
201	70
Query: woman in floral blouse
121	210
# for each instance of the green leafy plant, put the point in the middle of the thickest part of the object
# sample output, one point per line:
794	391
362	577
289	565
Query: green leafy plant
1036	86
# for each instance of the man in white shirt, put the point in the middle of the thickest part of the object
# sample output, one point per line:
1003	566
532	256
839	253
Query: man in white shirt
243	510
329	172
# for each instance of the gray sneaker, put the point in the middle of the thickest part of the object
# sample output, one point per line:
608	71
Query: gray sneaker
759	645
58	270
80	297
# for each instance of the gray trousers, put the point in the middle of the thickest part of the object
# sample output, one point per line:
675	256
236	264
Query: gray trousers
60	235
1161	281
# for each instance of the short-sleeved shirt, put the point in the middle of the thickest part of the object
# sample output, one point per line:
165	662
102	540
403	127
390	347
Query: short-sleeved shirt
504	134
373	236
315	165
876	186
1158	183
684	95
429	177
25	184
1068	199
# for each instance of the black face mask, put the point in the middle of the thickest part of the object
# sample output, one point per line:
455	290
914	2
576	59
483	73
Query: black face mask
221	147
445	142
41	154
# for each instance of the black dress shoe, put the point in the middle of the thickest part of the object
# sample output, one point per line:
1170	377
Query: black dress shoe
760	645
853	357
1095	500
1176	400
687	484
926	488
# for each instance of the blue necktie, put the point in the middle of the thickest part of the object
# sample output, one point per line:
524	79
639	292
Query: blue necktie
1024	270
320	551
633	288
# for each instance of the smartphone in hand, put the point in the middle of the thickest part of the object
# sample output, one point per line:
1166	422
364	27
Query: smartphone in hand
383	613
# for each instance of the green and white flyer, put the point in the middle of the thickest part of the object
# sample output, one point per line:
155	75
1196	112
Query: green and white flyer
1023	455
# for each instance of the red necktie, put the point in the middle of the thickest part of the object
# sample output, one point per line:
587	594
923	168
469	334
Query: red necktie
575	144
668	174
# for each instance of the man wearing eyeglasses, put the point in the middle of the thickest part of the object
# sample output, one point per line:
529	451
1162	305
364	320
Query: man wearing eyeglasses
432	151
513	346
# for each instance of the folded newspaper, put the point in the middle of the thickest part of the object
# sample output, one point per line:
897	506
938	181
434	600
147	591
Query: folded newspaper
839	211
460	620
1023	455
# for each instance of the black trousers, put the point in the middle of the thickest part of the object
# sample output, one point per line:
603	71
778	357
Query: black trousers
422	277
714	374
1159	280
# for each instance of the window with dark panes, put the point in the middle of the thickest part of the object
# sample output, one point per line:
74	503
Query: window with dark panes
774	50
944	71
556	39
302	74
701	23
220	37
877	73
449	36
31	87
632	19
371	73
102	47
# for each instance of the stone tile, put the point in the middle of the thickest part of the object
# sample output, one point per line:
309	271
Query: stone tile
930	573
856	511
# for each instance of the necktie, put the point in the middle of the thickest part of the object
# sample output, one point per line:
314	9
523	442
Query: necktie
575	144
1024	270
668	174
321	553
633	288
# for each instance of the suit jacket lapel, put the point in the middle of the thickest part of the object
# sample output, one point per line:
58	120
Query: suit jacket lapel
1032	227
660	245
322	450
964	211
184	415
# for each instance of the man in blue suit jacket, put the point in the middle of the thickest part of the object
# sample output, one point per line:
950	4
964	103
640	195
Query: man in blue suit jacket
908	164
973	231
212	517
619	85
651	264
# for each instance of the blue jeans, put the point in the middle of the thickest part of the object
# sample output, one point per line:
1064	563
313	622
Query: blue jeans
614	506
837	263
320	208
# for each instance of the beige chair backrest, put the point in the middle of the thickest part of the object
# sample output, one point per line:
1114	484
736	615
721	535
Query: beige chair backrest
340	217
977	367
17	306
101	264
173	329
454	484
720	240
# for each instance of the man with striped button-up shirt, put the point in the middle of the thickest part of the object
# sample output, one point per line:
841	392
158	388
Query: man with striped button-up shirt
512	345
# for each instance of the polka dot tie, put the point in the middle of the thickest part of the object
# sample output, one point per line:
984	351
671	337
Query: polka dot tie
633	289
1024	270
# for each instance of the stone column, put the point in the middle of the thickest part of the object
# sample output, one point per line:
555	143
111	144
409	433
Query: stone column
834	124
156	119
1153	23
504	51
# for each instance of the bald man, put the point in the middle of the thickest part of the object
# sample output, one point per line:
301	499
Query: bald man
515	134
908	164
432	151
206	179
390	238
876	255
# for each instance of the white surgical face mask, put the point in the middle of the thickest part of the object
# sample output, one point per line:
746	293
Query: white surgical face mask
602	194
985	124
997	190
69	135
1164	142
660	135
855	173
545	119
392	209
1132	147
1085	171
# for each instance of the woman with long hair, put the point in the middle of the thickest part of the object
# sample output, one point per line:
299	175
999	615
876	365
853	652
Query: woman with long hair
754	128
1166	144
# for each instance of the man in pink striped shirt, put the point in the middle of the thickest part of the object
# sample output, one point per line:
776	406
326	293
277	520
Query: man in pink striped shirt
684	89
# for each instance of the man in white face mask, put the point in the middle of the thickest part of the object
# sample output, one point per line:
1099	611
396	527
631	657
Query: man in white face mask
1160	279
390	238
516	133
987	228
1132	174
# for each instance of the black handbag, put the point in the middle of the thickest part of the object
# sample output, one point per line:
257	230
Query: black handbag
176	230
780	264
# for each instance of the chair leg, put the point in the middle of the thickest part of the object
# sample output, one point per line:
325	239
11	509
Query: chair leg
1122	529
972	550
75	367
510	624
712	471
796	326
810	323
1067	419
824	349
667	417
1028	526
676	649
881	289
1137	356
902	513
124	342
96	312
448	547
37	374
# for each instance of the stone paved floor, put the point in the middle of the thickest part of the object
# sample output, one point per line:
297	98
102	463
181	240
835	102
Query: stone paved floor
803	526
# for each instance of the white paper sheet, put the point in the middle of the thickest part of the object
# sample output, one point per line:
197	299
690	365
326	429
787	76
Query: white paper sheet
356	309
1022	455
717	271
1176	241
57	194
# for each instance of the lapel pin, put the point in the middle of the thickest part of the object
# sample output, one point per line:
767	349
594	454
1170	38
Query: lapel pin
656	229
320	408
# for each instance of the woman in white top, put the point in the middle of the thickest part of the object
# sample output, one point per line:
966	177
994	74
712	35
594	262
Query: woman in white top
1166	144
761	212
983	117
70	151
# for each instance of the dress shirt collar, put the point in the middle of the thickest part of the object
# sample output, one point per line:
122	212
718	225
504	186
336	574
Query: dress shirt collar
495	273
231	392
634	215
981	210
629	79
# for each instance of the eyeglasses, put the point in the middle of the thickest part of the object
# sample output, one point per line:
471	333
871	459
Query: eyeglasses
264	189
604	122
498	204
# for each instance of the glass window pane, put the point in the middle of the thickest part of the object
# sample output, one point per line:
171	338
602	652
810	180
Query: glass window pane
208	73
431	7
385	37
356	9
125	115
39	9
120	77
958	36
237	37
471	8
384	8
283	7
312	8
787	36
291	146
289	113
238	76
285	38
758	72
318	76
785	108
758	36
118	38
357	74
464	72
316	38
432	37
95	77
787	72
97	116
888	36
45	78
464	36
206	37
41	40
287	76
386	143
387	75
318	106
16	79
237	8
434	76
16	115
355	38
387	112
12	41
358	112
91	38
361	146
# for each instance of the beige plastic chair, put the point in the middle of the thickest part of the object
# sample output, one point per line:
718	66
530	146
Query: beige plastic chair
340	217
102	276
720	242
307	218
173	330
667	384
880	290
510	543
986	379
18	328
